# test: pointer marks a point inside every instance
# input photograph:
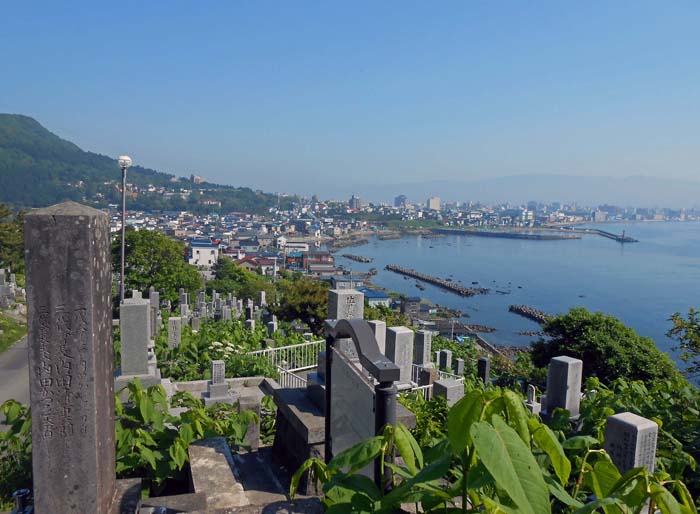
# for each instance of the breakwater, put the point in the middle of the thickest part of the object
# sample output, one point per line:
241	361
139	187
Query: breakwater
531	313
437	281
357	258
505	234
339	243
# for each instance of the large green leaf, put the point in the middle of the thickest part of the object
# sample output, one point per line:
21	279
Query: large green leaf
512	465
460	418
664	499
402	440
517	415
548	443
358	456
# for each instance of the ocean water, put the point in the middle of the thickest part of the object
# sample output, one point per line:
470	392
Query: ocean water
641	283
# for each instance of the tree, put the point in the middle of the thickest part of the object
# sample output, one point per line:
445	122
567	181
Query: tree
687	332
11	239
305	299
608	348
231	278
153	259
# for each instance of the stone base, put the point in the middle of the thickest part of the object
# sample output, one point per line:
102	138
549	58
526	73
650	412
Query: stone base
209	401
126	496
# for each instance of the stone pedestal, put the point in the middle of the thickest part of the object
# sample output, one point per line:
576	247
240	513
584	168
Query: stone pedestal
69	283
449	389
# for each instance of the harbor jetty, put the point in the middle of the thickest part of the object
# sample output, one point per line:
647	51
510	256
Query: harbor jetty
436	281
530	313
339	243
389	236
507	234
356	258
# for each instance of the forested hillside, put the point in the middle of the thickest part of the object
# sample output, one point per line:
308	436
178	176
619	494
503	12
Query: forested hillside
38	168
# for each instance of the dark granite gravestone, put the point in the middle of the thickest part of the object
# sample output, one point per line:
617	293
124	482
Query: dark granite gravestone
483	369
69	283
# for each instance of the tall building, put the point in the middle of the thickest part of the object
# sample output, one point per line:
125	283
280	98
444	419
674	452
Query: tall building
354	202
434	203
400	201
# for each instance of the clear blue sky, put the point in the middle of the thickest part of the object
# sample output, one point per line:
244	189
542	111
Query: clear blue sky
303	96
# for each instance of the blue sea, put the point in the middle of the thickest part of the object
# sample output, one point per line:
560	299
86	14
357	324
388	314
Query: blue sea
641	283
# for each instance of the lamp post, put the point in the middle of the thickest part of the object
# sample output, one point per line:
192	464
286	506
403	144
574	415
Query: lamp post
124	163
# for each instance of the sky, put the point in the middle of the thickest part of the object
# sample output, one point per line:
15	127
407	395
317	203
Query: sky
335	96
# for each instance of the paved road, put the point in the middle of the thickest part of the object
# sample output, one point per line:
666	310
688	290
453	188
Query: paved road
14	373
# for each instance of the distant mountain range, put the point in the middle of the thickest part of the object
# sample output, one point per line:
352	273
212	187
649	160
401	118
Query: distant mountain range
38	168
592	191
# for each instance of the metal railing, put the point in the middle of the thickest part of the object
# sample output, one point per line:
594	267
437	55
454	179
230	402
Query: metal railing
295	357
288	379
442	375
426	391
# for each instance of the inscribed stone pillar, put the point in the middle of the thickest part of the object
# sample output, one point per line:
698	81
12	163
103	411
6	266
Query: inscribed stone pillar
564	384
399	348
345	304
174	332
422	347
379	329
631	441
69	283
459	367
154	298
135	330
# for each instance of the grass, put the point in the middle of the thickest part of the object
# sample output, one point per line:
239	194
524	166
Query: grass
12	332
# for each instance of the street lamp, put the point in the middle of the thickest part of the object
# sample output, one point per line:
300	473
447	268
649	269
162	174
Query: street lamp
124	163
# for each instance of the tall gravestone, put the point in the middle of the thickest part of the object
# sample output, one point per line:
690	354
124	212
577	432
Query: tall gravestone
135	331
445	360
483	369
379	330
154	298
422	347
631	441
69	283
399	348
346	304
564	384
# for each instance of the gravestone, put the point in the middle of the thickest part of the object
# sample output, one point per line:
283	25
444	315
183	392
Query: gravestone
445	360
427	376
631	441
346	304
174	331
135	329
13	279
564	384
422	348
154	298
217	388
399	349
250	324
195	322
379	330
203	311
271	328
450	389
249	314
184	310
184	298
263	300
226	313
136	294
69	282
483	370
2	276
531	403
459	367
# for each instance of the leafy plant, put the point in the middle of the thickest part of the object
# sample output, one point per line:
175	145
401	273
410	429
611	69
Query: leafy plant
15	452
495	458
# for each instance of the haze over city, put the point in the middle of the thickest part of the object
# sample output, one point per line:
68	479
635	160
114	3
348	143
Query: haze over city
366	98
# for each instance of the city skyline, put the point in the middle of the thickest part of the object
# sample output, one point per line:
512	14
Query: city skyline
311	98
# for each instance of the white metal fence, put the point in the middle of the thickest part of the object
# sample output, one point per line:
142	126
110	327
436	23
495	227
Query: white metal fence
442	375
295	357
288	379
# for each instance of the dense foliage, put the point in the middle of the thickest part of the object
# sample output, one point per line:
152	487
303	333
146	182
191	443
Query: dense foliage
497	458
392	317
11	239
609	349
686	330
39	168
304	299
231	278
154	259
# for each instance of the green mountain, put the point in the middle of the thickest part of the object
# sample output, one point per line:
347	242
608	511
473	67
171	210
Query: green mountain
38	168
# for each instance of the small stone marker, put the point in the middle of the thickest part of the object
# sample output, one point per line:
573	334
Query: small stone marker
450	389
184	298
459	367
195	322
154	299
69	282
217	388
184	310
250	324
422	348
174	331
379	329
427	376
445	360
249	314
564	384
263	300
631	441
399	348
226	313
483	369
531	403
271	328
13	279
